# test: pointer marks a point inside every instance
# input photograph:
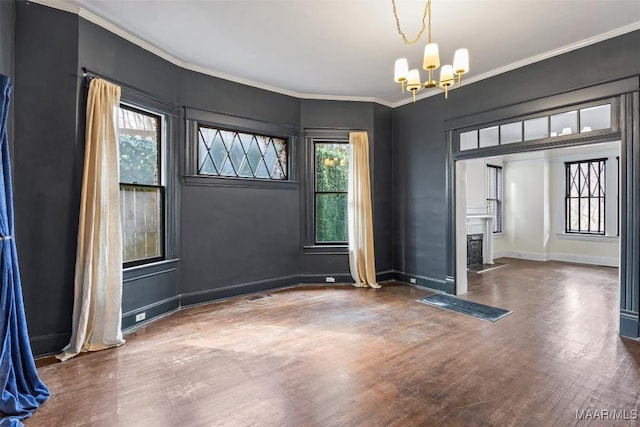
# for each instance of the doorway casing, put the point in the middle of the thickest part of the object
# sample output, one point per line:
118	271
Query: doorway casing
625	126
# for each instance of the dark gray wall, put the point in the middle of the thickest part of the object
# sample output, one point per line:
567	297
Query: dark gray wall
238	239
150	82
375	119
226	239
46	169
419	146
382	187
7	38
7	53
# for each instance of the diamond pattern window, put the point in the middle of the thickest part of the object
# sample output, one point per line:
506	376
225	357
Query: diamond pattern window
234	154
585	197
142	196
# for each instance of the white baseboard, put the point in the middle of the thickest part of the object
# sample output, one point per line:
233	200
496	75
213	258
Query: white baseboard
531	256
585	259
580	259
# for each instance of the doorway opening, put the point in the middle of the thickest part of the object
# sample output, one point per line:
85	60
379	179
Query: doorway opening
552	204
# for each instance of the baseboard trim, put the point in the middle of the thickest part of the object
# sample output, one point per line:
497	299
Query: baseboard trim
530	256
47	345
585	259
321	278
629	325
426	282
579	259
203	297
152	311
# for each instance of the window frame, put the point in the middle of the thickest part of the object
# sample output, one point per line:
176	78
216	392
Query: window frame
162	141
194	117
602	182
316	192
578	138
285	169
498	221
308	214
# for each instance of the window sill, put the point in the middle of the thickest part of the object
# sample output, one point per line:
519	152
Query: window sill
152	268
221	181
326	249
586	237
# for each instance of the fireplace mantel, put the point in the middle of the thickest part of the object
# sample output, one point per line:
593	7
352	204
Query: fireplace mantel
482	223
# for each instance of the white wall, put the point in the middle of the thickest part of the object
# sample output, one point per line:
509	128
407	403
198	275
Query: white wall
525	228
533	226
602	250
476	179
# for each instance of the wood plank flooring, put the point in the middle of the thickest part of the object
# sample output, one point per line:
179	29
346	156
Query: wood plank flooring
343	356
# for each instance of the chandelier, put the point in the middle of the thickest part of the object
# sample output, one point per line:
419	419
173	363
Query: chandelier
410	79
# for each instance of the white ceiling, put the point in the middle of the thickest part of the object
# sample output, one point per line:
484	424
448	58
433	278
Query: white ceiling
346	48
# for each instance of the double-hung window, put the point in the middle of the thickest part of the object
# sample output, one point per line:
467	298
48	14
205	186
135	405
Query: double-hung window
142	195
331	174
494	196
585	196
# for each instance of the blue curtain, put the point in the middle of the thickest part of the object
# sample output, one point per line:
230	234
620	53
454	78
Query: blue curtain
22	390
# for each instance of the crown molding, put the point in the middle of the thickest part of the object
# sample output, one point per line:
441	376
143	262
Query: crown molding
109	26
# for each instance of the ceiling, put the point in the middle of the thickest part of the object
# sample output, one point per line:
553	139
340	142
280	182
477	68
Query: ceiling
345	49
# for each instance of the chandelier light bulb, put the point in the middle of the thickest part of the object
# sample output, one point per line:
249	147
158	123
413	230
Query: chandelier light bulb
401	70
431	57
461	61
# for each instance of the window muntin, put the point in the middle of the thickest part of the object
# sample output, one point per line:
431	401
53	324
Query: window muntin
585	196
331	173
494	196
235	154
142	198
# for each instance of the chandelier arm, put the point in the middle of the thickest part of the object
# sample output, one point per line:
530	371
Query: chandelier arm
427	11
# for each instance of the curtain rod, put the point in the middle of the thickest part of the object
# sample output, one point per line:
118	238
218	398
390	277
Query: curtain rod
86	73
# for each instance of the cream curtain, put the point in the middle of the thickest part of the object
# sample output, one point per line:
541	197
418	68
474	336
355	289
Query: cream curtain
98	277
361	254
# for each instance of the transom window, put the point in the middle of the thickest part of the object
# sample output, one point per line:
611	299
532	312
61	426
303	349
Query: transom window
494	196
241	155
563	124
331	160
142	196
585	197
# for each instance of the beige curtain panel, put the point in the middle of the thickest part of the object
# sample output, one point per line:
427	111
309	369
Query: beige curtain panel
97	304
361	255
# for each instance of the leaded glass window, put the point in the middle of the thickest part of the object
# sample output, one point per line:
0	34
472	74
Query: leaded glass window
585	197
241	155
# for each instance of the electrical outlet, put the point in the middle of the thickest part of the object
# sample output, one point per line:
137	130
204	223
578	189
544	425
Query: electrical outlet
141	316
330	279
412	280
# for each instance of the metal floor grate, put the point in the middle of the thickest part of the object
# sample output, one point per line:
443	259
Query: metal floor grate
470	308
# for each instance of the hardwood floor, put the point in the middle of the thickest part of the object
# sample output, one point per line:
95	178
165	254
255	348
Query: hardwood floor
343	356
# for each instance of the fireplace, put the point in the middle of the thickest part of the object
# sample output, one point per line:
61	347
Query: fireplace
474	249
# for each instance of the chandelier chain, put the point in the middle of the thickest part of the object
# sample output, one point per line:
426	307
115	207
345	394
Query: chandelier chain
427	12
